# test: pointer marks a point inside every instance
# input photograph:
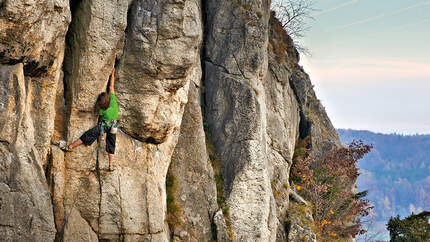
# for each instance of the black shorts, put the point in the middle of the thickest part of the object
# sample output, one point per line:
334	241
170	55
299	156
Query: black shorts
92	134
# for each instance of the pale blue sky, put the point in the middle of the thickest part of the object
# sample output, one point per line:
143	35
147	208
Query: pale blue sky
370	63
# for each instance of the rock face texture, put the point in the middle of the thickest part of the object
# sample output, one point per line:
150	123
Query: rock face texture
191	75
31	54
161	56
196	190
235	69
152	89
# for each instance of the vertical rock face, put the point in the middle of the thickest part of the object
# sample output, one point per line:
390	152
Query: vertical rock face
282	118
259	102
31	53
303	116
314	121
162	47
235	70
25	206
95	37
253	97
158	45
196	191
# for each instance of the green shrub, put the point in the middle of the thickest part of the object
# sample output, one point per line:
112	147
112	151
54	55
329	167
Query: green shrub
174	210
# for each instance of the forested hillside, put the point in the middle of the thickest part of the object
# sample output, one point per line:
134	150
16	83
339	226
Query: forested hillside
396	172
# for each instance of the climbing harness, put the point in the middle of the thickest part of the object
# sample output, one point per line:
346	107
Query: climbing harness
114	128
113	125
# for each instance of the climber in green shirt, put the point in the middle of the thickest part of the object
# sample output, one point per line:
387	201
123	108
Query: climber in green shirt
109	115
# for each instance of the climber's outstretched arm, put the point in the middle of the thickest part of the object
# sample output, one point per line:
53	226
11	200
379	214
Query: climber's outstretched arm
112	82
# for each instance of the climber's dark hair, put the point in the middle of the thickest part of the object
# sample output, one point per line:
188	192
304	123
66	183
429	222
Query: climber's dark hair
103	100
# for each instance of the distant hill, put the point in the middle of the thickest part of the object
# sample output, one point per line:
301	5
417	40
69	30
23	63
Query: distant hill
396	172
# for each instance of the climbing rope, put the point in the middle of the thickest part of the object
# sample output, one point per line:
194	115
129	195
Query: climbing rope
66	219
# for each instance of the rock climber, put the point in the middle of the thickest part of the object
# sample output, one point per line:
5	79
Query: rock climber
108	110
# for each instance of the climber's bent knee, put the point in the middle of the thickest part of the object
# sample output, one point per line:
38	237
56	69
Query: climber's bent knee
90	135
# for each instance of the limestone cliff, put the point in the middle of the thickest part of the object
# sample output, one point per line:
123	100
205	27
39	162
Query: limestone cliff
211	98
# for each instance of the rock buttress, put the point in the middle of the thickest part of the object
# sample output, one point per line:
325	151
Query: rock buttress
31	53
307	120
235	61
259	103
158	45
282	121
195	192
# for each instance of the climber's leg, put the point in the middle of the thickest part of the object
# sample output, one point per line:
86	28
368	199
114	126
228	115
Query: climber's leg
78	142
110	147
111	156
87	139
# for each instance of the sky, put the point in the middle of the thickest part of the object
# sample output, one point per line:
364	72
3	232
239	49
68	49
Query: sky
370	63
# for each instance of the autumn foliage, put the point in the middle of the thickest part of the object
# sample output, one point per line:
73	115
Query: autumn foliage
329	183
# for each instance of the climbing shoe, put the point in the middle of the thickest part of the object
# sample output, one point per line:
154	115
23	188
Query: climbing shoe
66	149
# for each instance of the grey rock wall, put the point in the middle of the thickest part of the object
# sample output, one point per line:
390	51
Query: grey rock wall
152	87
31	54
163	40
236	62
88	202
196	190
258	104
25	203
282	130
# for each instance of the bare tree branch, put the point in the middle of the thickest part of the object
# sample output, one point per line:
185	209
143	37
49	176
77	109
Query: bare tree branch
293	15
373	233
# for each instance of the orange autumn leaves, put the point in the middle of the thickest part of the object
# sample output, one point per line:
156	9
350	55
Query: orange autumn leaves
327	183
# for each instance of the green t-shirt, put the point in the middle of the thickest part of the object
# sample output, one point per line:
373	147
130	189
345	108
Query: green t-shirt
111	113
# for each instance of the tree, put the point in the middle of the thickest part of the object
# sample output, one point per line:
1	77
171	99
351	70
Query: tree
374	233
416	227
293	15
329	184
